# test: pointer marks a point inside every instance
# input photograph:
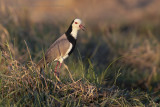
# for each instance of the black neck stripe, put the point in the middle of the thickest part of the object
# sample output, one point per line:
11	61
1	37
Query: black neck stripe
70	38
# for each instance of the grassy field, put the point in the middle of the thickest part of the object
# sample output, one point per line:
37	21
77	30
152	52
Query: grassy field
112	65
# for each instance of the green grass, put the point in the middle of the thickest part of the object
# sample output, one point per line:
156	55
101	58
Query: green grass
120	67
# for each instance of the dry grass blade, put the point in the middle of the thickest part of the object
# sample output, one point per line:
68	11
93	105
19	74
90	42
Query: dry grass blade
69	73
28	51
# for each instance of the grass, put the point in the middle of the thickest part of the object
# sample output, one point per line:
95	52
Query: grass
118	68
25	86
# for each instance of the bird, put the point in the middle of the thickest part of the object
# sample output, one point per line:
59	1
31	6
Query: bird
62	47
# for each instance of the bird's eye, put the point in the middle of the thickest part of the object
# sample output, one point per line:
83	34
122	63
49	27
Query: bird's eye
76	23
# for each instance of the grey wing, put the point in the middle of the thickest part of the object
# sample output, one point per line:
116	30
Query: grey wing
57	49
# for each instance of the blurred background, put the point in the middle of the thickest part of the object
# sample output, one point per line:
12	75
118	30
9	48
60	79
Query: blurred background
115	28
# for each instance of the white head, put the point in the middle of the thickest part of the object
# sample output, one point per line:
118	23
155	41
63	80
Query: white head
77	24
74	27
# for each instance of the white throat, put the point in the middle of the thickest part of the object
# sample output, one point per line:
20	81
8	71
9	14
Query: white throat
74	33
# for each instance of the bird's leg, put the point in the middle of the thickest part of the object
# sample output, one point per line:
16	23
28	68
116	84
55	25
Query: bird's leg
60	61
60	65
55	70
